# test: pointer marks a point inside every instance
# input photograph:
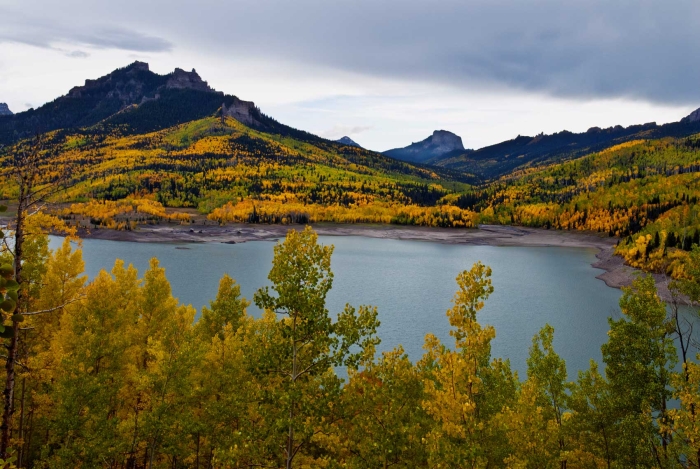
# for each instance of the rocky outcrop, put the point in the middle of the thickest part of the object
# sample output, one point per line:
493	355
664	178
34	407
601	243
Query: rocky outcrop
244	112
136	84
181	79
437	145
443	141
129	85
4	110
692	117
348	141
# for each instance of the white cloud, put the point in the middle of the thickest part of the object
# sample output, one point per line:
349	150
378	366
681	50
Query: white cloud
338	131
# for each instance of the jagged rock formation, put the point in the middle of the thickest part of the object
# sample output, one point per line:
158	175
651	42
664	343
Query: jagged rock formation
181	79
348	141
692	117
136	84
134	98
4	110
437	145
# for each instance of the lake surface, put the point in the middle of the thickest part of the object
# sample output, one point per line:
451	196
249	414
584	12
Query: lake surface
412	284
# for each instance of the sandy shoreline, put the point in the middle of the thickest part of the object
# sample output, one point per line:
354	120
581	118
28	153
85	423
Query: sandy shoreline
616	274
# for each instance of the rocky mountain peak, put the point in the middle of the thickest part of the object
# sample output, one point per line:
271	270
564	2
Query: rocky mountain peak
141	66
692	117
181	79
445	141
348	141
135	84
440	143
4	110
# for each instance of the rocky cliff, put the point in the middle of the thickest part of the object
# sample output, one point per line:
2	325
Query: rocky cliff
181	79
243	111
136	84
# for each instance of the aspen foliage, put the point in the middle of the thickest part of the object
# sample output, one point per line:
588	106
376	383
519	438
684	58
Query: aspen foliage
120	374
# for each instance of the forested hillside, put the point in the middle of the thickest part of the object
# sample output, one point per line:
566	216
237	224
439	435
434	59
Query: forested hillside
236	173
644	192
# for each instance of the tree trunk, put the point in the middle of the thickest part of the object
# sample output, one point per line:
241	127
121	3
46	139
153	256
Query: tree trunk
196	459
290	435
20	453
9	390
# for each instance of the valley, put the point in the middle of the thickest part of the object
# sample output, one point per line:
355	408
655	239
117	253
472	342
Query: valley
144	150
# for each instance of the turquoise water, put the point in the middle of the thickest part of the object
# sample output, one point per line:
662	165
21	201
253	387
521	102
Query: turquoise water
412	284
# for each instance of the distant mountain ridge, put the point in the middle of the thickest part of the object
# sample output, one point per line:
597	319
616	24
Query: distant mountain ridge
5	110
348	141
439	144
496	160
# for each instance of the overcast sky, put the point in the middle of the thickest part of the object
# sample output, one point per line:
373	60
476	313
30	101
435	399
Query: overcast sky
384	72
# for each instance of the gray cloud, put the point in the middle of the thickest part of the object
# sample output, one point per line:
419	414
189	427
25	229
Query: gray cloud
642	49
117	38
41	32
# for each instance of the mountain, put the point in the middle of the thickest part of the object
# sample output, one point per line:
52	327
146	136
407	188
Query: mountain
438	145
133	98
348	141
692	117
137	139
4	110
497	160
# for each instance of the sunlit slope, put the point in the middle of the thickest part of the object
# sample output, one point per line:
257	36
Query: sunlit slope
208	163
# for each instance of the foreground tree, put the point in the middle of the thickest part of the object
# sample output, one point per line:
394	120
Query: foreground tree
384	423
34	188
464	389
536	421
308	344
639	357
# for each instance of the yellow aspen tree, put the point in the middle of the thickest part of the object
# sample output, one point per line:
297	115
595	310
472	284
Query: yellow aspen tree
463	407
94	346
384	423
308	343
60	288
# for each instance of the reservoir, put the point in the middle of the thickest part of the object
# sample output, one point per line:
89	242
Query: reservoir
412	284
